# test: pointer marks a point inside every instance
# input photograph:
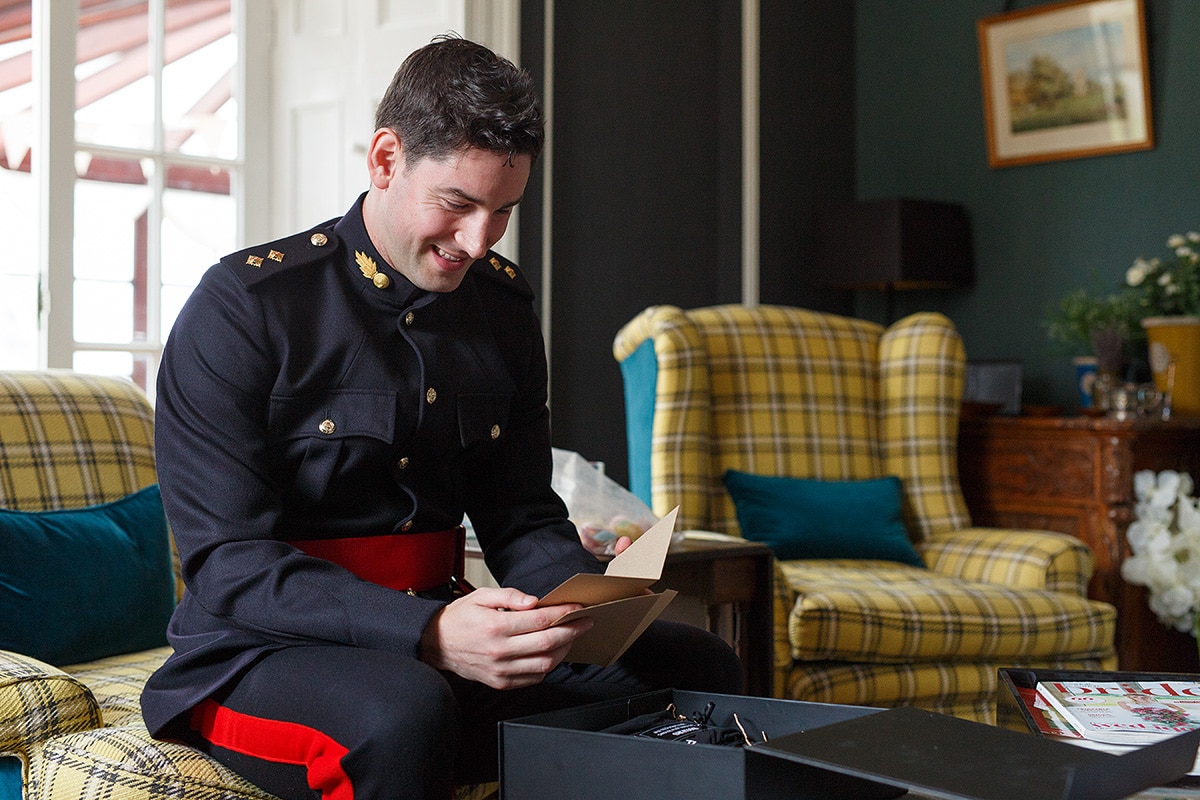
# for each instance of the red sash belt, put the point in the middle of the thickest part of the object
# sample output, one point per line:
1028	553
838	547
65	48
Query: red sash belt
414	562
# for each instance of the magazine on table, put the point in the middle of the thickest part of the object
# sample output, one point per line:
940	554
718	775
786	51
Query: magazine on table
1050	722
1125	712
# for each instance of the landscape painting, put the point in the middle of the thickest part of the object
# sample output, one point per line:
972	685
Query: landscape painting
1065	81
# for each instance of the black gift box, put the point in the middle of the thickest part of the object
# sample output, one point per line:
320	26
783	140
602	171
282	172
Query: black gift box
814	751
563	754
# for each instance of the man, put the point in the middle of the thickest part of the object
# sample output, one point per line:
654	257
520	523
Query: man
329	406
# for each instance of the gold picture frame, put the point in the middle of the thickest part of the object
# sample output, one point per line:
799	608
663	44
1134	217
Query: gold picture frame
1066	80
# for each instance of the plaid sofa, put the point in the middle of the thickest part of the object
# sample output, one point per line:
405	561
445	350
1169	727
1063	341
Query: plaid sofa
792	392
76	731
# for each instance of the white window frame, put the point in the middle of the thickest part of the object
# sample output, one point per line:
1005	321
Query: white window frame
54	29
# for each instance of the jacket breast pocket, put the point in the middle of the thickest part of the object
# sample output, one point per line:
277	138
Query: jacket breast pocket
482	417
323	437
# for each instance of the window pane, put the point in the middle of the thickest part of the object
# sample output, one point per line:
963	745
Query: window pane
18	264
95	362
112	222
134	366
199	226
114	90
111	250
18	322
199	114
104	312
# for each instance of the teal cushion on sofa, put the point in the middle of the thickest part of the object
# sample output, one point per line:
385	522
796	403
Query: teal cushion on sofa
10	778
801	518
81	584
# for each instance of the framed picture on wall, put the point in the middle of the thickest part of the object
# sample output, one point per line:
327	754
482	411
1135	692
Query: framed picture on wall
1065	80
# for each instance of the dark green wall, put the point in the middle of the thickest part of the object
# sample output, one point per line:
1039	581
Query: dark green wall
1040	230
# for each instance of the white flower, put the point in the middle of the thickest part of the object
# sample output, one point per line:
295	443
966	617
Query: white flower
1164	538
1141	531
1189	518
1184	252
1192	236
1144	482
1136	570
1136	274
1176	240
1167	490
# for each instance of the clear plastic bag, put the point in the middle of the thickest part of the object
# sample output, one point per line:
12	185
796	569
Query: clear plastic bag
602	509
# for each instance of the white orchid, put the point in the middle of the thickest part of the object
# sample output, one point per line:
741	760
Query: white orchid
1164	538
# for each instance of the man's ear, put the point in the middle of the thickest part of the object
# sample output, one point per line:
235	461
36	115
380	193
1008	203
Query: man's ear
385	157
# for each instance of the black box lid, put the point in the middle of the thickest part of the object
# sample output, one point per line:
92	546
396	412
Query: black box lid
939	756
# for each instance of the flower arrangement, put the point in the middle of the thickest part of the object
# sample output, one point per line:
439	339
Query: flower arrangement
1168	286
1165	540
1110	323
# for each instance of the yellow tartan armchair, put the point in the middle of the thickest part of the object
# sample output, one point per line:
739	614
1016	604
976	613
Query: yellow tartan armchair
791	392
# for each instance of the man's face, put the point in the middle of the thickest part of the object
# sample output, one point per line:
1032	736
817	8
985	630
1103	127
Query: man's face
430	220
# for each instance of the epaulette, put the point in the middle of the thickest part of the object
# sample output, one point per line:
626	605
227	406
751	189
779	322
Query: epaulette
498	268
263	261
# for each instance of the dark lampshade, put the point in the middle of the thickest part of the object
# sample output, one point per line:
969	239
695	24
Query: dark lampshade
891	244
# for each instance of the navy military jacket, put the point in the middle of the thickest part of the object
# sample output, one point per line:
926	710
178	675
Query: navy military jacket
298	400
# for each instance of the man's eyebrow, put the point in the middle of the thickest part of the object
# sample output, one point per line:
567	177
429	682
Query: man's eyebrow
460	194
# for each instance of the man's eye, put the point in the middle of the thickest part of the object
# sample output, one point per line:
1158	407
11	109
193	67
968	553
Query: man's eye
456	206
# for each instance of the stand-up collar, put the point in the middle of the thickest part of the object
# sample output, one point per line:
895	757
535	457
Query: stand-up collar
381	285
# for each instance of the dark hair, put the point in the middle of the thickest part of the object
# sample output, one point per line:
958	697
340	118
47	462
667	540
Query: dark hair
453	94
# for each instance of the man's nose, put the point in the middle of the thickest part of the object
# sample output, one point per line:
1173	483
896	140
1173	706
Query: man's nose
474	236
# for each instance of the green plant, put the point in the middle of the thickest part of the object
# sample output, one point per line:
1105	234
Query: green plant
1168	286
1087	322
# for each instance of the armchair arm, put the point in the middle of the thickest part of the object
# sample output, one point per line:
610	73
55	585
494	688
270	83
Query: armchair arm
1021	559
38	702
784	602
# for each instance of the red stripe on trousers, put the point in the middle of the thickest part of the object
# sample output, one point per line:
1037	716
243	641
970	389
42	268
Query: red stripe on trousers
277	741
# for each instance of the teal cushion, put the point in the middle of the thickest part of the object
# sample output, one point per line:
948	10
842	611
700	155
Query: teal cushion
800	518
10	778
82	584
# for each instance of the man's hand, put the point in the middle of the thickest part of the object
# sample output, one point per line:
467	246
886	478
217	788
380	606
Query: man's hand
499	638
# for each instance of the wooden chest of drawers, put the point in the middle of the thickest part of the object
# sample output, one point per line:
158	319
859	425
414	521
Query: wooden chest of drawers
1075	475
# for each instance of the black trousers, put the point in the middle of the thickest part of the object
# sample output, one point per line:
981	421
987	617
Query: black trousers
342	722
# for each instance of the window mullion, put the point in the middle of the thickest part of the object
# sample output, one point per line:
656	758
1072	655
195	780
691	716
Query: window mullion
53	168
153	288
252	183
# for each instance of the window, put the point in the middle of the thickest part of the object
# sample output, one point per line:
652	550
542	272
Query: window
152	199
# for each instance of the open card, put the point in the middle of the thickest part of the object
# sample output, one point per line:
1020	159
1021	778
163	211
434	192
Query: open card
616	601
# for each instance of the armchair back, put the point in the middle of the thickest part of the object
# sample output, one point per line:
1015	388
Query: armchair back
787	391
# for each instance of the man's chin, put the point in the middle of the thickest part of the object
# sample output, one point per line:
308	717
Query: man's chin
440	280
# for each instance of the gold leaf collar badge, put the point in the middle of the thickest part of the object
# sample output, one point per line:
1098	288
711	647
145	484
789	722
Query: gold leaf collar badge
366	265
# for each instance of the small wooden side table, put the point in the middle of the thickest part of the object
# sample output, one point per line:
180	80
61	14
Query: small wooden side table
732	580
1075	475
